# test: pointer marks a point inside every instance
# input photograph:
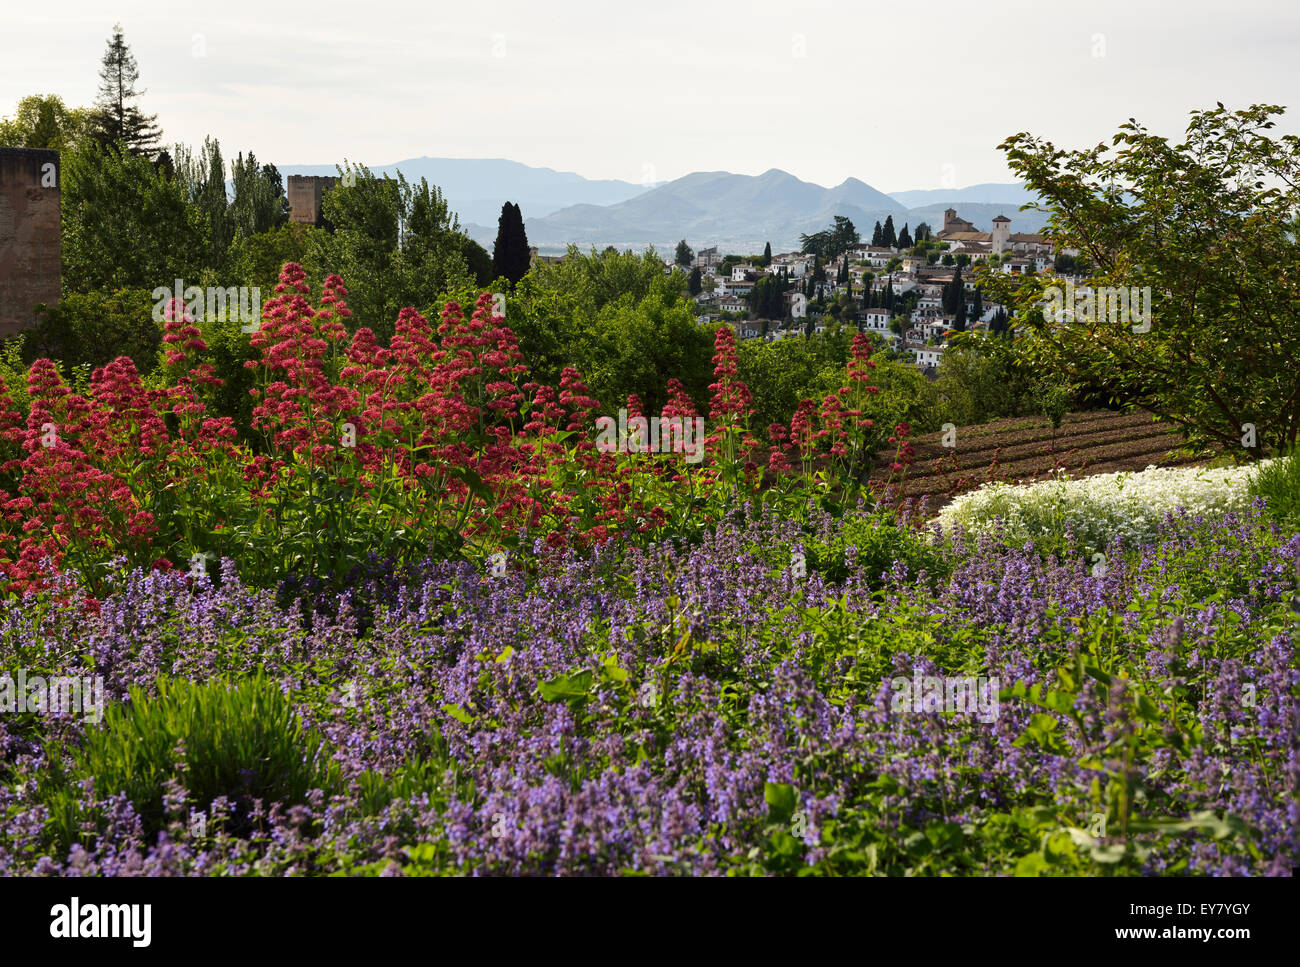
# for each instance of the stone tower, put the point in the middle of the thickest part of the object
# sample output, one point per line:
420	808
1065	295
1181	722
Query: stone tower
1001	233
30	267
305	193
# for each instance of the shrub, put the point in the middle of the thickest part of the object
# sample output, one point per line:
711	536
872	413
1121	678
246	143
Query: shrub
95	328
243	742
1127	506
1278	482
878	543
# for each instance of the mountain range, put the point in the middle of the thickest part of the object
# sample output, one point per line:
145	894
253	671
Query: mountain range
735	212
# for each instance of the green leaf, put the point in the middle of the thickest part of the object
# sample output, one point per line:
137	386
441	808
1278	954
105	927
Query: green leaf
459	714
781	800
564	687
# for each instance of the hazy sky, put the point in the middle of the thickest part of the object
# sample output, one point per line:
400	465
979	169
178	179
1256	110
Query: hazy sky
901	95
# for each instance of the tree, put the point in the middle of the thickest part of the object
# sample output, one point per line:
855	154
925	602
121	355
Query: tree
844	236
116	120
905	240
887	237
477	260
878	237
203	179
814	244
1200	236
695	283
767	255
684	255
44	122
510	254
259	204
394	244
831	242
765	299
110	197
922	233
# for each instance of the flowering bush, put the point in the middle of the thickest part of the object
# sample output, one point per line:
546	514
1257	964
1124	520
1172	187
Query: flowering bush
362	455
1128	507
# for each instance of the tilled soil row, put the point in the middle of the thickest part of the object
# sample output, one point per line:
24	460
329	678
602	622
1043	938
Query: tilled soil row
1073	423
1017	433
1012	451
1086	445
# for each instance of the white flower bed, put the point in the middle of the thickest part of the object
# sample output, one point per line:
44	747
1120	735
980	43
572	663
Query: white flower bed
1127	505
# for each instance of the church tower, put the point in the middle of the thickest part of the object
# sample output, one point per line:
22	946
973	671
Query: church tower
1001	233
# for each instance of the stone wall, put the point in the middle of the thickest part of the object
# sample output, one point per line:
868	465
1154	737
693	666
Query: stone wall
30	267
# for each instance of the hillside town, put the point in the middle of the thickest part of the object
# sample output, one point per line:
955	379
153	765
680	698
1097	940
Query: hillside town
902	290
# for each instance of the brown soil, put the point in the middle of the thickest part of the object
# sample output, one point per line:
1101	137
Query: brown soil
1022	450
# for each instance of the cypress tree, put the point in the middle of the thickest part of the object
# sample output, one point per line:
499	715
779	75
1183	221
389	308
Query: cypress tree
887	235
510	256
878	236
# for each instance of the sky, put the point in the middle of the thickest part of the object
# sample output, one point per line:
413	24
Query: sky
902	96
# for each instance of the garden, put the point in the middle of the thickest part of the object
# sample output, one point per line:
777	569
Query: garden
393	583
421	625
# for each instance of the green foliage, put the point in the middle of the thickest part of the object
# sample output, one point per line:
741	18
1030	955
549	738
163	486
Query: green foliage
1278	482
875	543
477	261
984	378
125	224
44	121
229	347
256	260
1207	226
782	373
1053	398
260	204
615	316
203	178
833	242
242	741
637	344
393	243
95	328
116	120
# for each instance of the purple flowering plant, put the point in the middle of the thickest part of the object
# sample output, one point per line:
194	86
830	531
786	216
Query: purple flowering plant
700	708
